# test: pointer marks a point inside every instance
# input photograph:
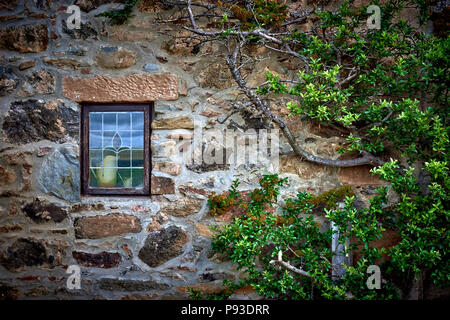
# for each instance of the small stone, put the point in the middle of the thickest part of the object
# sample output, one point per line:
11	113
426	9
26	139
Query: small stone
151	67
216	76
114	224
77	51
24	253
130	285
210	113
118	58
183	88
183	207
204	231
8	292
44	211
173	123
8	81
82	207
98	260
10	228
27	64
38	82
163	149
43	151
25	39
168	167
163	245
7	176
162	185
87	31
182	44
38	292
67	64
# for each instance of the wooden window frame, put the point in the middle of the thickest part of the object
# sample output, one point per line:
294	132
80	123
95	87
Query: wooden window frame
86	108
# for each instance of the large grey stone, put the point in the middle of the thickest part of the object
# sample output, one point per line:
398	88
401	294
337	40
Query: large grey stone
163	245
60	173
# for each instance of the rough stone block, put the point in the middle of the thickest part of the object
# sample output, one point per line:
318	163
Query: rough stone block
109	225
130	88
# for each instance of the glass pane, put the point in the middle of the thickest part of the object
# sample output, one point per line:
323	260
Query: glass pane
108	138
109	120
138	139
124	121
124	158
124	178
95	140
138	178
137	158
125	135
92	178
95	158
95	121
116	149
138	120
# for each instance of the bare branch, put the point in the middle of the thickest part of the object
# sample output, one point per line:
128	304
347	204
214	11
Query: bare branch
289	267
367	158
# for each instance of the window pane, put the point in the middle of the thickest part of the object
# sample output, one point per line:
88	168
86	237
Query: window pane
137	158
95	140
125	136
95	121
138	178
138	120
138	139
124	158
109	120
116	149
124	178
124	121
95	157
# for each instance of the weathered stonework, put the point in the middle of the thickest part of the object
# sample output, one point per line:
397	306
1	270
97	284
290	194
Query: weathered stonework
161	246
130	285
8	81
110	225
60	173
132	88
183	208
98	260
115	58
162	185
24	253
146	247
44	211
33	120
25	39
173	123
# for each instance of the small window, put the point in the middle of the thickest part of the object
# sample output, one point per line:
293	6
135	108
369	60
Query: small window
115	157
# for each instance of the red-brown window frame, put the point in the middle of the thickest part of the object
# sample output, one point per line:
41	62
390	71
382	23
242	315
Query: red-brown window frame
86	108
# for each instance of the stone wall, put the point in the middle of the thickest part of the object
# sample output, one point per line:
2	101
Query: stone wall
127	247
